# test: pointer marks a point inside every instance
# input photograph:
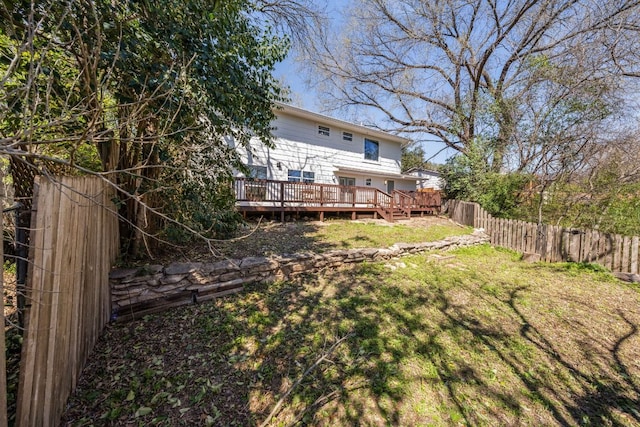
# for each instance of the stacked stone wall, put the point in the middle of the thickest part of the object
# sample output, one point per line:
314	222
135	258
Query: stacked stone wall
152	288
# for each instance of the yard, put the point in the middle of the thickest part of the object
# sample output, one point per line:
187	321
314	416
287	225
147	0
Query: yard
469	337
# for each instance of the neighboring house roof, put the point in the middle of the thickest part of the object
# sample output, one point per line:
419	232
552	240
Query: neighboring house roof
321	118
414	171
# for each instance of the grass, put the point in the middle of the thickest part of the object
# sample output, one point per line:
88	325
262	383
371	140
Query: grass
474	338
350	235
275	238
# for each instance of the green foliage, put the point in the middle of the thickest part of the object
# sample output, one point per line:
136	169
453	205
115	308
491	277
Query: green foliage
606	205
470	177
414	157
209	211
152	91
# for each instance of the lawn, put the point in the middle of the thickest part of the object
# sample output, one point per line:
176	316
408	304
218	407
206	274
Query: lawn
469	337
276	238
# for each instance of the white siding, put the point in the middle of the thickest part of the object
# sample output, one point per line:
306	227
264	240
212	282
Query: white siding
299	146
429	179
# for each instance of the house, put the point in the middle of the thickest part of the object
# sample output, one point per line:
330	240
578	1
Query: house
339	166
427	179
311	147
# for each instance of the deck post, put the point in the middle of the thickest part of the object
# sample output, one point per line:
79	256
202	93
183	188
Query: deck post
322	216
282	202
321	196
353	215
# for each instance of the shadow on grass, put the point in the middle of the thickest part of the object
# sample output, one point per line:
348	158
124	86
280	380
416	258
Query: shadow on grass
363	346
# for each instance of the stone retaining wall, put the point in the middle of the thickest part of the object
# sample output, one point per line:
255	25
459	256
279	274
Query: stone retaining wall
152	288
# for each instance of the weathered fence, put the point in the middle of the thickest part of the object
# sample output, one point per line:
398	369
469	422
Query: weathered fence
3	361
554	244
74	242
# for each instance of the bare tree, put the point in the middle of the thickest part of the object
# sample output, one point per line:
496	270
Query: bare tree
523	74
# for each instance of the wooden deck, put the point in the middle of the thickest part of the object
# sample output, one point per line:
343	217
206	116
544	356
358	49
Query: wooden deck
286	197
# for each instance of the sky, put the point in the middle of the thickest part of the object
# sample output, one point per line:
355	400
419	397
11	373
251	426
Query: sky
306	97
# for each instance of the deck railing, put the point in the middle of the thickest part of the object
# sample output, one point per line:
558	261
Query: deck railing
285	193
312	194
418	199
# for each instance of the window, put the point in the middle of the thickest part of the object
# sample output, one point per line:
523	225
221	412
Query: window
371	150
301	176
308	177
257	172
347	136
367	182
346	181
294	175
323	130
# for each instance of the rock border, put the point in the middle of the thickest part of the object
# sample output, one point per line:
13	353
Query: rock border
136	292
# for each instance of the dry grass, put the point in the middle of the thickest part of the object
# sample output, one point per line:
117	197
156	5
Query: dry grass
479	338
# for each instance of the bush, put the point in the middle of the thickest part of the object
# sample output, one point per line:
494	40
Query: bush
469	177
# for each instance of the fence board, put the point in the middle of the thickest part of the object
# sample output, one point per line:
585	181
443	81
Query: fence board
74	241
553	243
3	361
634	254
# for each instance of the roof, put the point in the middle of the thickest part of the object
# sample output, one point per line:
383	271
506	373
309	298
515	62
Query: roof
421	170
370	172
321	118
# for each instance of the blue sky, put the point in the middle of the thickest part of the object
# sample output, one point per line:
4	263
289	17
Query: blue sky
306	96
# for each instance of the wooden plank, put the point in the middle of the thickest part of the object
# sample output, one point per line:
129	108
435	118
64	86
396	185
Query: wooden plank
76	295
42	297
513	226
63	365
586	253
532	230
4	420
634	254
549	243
27	353
599	248
508	232
608	250
557	244
55	333
617	254
626	251
573	245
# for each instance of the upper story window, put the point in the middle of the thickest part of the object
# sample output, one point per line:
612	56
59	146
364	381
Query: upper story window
324	130
257	172
347	136
371	150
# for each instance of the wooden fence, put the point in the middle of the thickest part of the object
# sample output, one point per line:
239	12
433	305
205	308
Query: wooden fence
74	242
554	244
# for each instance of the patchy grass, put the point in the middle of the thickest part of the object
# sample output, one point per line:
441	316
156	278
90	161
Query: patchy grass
273	238
348	235
476	338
